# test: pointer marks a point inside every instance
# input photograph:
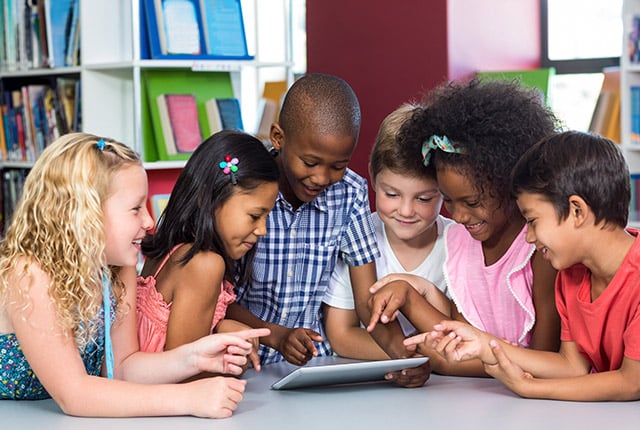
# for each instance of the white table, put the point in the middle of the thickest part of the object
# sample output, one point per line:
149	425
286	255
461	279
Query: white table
443	403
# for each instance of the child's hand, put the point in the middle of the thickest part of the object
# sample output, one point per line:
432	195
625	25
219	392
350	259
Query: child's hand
229	326
507	372
214	397
224	352
418	283
411	378
386	303
458	341
297	347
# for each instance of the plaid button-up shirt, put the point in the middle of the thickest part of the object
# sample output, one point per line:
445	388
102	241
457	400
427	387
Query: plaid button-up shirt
294	261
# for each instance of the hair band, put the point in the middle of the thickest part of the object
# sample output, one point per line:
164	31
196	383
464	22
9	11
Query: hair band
101	145
439	142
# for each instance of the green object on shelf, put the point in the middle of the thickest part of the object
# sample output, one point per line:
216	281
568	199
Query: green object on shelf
204	85
535	78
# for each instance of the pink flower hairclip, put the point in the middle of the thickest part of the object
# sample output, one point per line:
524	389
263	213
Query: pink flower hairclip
229	166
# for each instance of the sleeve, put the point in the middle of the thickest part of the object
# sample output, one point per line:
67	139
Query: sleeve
359	241
631	336
561	305
339	293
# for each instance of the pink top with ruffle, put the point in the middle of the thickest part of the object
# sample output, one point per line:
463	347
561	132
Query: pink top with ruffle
496	298
153	312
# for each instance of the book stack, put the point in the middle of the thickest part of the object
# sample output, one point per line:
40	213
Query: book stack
181	122
33	116
39	34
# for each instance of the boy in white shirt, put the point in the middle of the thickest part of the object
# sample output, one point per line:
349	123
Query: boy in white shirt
408	229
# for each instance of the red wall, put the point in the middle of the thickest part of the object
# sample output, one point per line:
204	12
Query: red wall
392	52
389	52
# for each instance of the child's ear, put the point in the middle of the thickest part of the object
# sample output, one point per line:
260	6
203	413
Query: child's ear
276	135
579	210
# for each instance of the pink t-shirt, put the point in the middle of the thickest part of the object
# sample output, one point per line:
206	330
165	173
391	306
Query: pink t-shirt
608	329
496	298
153	312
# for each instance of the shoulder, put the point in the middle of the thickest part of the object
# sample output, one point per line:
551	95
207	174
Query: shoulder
352	181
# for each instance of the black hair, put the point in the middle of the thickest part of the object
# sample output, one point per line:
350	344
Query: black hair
325	102
203	187
494	122
575	163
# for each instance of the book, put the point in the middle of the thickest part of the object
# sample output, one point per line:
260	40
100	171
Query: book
267	112
230	113
66	92
606	114
223	28
72	34
180	125
181	28
214	121
56	16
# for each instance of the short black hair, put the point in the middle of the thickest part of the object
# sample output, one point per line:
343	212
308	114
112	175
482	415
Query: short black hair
203	187
494	122
325	102
576	163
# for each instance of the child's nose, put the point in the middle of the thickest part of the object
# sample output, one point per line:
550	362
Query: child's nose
147	220
406	208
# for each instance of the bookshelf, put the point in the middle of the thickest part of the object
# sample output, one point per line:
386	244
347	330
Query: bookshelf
116	66
629	115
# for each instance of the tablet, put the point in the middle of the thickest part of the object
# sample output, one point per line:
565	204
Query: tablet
344	373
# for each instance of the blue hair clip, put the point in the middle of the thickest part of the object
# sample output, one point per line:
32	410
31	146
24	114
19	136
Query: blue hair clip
101	145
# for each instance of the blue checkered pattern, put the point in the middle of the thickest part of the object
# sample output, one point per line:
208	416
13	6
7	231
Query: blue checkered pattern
294	261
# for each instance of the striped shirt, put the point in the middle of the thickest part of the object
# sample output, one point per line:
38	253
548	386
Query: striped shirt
294	261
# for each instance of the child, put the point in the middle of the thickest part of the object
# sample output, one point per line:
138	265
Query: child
573	190
216	214
408	230
321	215
74	239
473	133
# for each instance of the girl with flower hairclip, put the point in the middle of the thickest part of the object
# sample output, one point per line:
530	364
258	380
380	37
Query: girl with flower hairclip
68	296
215	215
473	133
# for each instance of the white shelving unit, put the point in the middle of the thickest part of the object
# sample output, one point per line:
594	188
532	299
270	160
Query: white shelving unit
112	68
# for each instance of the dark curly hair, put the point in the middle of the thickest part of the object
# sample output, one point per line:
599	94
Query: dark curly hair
494	122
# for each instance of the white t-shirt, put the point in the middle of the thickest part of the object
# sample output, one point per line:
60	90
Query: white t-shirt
340	295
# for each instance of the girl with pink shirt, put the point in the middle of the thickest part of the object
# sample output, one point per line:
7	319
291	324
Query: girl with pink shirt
215	215
473	133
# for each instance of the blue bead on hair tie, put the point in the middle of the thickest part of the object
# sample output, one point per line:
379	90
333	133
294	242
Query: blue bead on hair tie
101	145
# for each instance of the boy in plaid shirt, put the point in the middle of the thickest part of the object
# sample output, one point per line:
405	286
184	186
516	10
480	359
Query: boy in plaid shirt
322	213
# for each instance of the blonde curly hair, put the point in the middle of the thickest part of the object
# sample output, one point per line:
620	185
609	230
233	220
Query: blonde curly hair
58	225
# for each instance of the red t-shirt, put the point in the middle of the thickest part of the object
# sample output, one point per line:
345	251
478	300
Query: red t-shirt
607	329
